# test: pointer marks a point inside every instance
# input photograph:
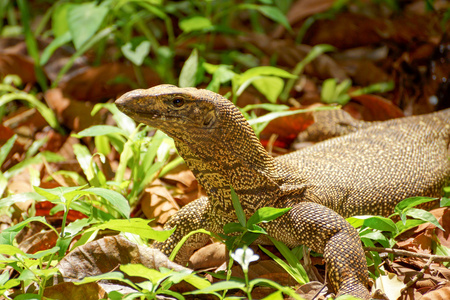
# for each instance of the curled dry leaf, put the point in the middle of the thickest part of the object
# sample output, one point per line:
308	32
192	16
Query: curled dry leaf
372	108
309	290
107	254
439	294
210	256
158	204
40	241
185	182
287	128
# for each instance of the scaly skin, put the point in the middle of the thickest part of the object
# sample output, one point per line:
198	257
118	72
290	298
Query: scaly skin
365	172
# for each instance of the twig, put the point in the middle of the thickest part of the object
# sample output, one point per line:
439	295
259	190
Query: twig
398	252
418	275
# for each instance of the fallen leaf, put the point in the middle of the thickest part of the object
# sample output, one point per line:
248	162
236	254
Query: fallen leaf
372	108
390	285
158	204
210	256
439	294
107	254
70	291
107	81
18	64
39	241
75	115
309	290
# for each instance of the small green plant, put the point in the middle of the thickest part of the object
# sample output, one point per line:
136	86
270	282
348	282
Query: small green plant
267	80
333	92
244	256
9	93
376	229
145	156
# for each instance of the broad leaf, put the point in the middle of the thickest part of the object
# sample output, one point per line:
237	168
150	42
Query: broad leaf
266	214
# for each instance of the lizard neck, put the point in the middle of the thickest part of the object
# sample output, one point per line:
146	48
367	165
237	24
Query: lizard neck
234	156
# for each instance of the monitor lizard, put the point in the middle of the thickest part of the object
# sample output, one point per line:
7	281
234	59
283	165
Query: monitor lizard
364	172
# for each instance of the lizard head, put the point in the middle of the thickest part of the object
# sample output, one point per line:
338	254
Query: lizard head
180	111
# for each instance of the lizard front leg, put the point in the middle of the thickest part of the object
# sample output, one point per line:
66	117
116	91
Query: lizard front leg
325	231
193	216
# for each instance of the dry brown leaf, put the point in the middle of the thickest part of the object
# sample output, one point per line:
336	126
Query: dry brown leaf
372	108
75	115
43	240
18	64
70	291
105	82
287	128
186	183
442	293
210	256
310	289
107	254
420	243
158	204
364	72
302	9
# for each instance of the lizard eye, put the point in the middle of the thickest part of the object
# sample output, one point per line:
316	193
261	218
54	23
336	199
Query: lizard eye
178	102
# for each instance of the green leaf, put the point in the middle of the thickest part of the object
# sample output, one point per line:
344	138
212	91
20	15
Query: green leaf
7	235
188	75
195	23
106	276
43	253
411	202
136	53
238	208
270	86
139	270
294	263
275	14
266	214
300	278
375	222
136	226
60	26
376	236
219	286
84	21
265	71
53	46
233	227
274	115
196	281
423	215
316	51
266	106
278	295
56	193
119	202
11	250
98	130
445	201
410	223
6	148
46	112
327	93
28	296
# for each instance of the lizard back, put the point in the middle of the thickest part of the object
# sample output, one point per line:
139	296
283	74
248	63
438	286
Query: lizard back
386	162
